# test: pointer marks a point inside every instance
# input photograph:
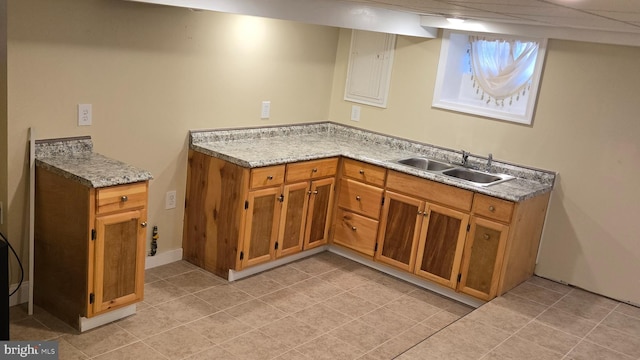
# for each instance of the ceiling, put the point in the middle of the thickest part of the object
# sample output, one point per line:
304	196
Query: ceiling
603	15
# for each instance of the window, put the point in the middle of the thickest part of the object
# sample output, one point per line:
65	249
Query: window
490	75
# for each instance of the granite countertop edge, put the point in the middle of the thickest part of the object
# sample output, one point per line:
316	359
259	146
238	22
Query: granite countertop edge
91	169
359	148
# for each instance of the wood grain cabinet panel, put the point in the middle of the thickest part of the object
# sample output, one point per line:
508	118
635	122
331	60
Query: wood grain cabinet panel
261	226
319	214
355	232
441	244
359	206
399	230
361	198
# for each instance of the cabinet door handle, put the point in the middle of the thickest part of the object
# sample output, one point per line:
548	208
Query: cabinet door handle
315	170
315	192
143	224
354	228
124	198
358	197
361	172
486	236
269	177
419	212
492	208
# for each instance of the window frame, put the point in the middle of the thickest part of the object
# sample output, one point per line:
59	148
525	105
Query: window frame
446	77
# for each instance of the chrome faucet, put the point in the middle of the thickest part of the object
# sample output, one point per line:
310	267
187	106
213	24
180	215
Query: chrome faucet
465	158
489	159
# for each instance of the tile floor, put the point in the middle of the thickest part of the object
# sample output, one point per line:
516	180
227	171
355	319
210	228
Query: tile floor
328	307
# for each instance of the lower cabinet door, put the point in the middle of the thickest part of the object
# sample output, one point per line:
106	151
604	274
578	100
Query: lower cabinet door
399	230
119	255
483	257
261	226
319	216
292	221
441	245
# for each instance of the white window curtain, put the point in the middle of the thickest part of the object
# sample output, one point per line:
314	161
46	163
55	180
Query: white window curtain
502	68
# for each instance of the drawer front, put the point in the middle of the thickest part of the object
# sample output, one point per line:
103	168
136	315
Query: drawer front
364	172
309	170
493	208
267	176
360	198
121	197
355	232
430	190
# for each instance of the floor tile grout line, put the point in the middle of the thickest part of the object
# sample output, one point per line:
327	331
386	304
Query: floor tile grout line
584	338
524	326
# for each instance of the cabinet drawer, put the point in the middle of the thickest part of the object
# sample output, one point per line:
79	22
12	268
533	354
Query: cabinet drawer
430	190
122	197
267	176
356	232
492	208
364	172
361	198
309	170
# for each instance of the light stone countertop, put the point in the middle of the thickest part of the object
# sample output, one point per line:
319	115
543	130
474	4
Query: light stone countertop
257	147
73	158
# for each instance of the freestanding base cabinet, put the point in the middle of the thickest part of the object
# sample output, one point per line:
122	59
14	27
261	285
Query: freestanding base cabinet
89	246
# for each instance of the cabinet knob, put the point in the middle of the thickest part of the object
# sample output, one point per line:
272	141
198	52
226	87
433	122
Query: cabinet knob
492	208
486	236
315	192
315	170
361	171
358	197
143	224
269	177
419	212
124	198
354	228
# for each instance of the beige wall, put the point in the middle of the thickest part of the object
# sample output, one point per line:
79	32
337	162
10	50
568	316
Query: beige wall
586	127
152	73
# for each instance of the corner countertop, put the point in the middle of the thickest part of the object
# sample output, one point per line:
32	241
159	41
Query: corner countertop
257	147
73	158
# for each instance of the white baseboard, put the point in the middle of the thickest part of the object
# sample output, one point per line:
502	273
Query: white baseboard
237	275
21	296
451	294
99	320
163	258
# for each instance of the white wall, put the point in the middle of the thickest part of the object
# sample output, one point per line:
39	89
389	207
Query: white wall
586	127
152	73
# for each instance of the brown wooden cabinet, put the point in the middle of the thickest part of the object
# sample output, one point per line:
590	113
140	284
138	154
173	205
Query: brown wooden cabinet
359	204
89	246
237	217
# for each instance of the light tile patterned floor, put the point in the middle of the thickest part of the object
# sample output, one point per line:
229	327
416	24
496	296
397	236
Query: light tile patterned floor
328	307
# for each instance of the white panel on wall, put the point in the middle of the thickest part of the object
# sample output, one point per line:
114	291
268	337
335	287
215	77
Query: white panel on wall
370	64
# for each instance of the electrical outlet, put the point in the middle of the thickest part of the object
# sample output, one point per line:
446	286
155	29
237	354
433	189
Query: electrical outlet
170	200
265	111
84	114
355	113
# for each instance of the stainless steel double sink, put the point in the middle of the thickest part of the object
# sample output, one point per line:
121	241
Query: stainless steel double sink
474	177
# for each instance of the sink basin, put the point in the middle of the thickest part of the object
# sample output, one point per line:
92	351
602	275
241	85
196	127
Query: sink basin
425	164
477	177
